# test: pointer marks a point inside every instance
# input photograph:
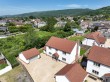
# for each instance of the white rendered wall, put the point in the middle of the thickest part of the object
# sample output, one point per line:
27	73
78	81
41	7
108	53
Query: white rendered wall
35	58
69	57
102	69
61	79
21	56
89	42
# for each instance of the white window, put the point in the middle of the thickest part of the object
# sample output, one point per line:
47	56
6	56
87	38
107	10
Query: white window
64	59
95	72
50	53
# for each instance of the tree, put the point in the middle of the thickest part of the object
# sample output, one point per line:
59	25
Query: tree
30	39
95	29
32	17
51	21
67	27
10	24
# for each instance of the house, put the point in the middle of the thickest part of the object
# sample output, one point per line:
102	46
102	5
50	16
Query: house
62	49
84	25
18	23
60	24
29	55
3	28
94	38
71	73
39	23
3	22
79	33
98	63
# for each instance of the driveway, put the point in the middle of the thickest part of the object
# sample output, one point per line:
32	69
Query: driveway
89	78
43	69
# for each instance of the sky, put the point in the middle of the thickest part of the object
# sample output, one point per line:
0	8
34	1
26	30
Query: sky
12	7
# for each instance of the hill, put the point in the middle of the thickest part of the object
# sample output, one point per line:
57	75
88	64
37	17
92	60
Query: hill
104	11
66	12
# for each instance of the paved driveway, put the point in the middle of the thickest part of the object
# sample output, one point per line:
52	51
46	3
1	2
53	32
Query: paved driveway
43	69
92	80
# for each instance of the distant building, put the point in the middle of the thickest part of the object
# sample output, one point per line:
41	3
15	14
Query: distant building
39	23
94	38
3	28
78	32
60	24
3	22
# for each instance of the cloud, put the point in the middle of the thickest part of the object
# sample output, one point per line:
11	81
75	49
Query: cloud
73	6
11	10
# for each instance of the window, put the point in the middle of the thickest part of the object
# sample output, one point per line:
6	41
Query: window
64	59
64	53
50	53
97	64
95	72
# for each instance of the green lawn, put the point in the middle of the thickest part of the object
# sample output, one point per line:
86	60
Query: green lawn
76	38
13	45
43	33
3	66
82	51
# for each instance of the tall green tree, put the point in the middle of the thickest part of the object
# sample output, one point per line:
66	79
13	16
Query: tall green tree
30	38
67	27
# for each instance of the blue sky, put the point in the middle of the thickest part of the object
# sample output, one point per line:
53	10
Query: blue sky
10	7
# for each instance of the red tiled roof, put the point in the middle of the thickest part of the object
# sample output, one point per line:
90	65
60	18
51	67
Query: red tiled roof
61	44
97	36
107	75
28	54
100	55
73	72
